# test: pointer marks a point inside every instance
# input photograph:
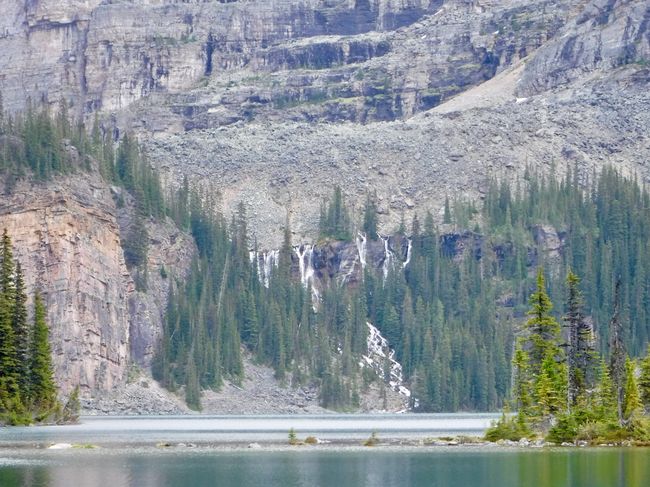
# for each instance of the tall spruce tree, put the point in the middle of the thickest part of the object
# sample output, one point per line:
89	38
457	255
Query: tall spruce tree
42	387
8	355
542	328
631	402
580	351
22	334
618	354
644	380
370	217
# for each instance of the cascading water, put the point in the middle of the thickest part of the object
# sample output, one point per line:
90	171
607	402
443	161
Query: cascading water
270	261
408	253
305	253
388	256
361	242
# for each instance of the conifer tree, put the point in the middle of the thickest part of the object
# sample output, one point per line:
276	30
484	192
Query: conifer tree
370	217
631	401
447	212
521	382
8	358
580	348
644	380
42	388
22	334
543	329
605	394
618	354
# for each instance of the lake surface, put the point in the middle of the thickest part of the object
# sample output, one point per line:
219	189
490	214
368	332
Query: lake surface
220	429
129	457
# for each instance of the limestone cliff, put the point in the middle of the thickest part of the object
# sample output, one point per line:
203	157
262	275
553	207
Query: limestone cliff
67	236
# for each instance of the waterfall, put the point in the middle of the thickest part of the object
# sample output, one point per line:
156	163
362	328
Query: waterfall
305	255
270	261
408	253
388	256
305	263
361	242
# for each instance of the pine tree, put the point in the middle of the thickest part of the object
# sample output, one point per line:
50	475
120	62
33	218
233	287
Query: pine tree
580	349
192	387
631	402
618	354
542	327
370	217
22	334
644	380
605	394
42	387
8	360
521	383
447	212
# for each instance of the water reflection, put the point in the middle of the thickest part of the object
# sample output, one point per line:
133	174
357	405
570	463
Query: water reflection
310	467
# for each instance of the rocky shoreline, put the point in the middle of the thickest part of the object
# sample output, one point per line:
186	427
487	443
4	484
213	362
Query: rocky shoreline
319	444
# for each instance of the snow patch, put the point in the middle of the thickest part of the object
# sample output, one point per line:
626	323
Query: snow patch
380	356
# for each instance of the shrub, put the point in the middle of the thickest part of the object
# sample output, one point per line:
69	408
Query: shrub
564	430
507	428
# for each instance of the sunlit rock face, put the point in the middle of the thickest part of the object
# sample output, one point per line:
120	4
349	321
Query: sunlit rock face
67	235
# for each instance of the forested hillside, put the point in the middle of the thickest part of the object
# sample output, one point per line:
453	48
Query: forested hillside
450	302
451	317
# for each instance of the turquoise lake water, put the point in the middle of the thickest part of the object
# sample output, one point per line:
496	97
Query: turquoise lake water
129	457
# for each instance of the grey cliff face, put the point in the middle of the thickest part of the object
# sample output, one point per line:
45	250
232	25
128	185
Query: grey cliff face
67	235
105	55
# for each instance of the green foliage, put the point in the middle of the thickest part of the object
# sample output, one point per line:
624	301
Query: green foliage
446	219
644	380
564	430
508	427
334	219
632	405
370	219
70	413
542	327
373	440
293	438
42	387
580	350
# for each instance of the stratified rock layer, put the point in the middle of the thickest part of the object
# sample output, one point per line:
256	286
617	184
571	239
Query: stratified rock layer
66	236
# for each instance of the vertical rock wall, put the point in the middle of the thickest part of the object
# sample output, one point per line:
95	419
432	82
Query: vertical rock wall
66	237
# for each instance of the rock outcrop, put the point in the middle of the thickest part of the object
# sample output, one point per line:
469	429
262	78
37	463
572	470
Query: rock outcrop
68	238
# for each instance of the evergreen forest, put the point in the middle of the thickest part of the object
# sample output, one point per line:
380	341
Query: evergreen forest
457	319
